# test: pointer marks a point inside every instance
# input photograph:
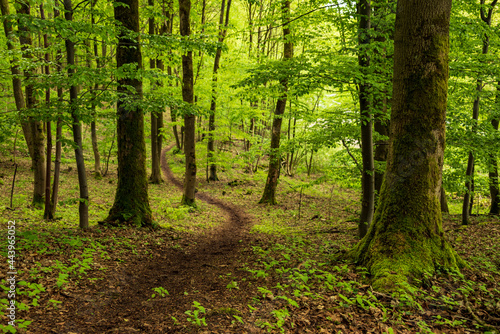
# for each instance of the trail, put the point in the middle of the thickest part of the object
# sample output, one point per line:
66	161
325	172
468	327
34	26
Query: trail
191	274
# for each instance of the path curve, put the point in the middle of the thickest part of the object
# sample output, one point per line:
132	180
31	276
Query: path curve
196	270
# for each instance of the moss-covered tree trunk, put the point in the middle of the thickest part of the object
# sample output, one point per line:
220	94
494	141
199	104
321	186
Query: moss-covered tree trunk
269	195
406	238
188	198
131	203
368	176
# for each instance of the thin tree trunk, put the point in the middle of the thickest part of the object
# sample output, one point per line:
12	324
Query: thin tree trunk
36	127
47	211
57	162
493	170
188	197
83	208
131	204
57	167
269	195
368	175
213	104
16	74
159	117
155	156
93	127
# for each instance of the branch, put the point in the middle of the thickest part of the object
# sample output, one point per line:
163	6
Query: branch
352	156
298	17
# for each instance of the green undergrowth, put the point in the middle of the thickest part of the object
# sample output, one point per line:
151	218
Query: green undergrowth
296	276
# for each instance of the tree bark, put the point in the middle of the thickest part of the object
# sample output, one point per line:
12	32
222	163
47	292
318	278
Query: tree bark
443	201
269	195
16	75
188	197
155	156
131	203
368	175
213	103
93	126
83	208
406	238
493	172
57	162
36	127
47	212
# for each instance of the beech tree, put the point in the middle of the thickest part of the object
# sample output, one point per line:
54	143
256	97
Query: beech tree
406	237
213	103
36	137
269	195
368	175
188	198
131	202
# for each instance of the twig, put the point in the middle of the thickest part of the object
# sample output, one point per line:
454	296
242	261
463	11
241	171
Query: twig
352	156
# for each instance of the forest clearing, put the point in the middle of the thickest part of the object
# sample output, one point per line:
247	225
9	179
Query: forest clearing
256	166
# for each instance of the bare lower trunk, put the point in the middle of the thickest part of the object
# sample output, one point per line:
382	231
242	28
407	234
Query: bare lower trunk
493	173
188	198
95	148
57	168
83	208
155	149
368	174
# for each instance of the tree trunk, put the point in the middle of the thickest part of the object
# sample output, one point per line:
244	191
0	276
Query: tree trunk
16	74
93	130
213	104
57	162
493	172
368	175
131	203
95	149
47	212
155	156
269	195
36	127
381	151
188	197
406	238
83	208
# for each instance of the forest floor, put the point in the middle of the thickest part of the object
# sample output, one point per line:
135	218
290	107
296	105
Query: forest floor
230	265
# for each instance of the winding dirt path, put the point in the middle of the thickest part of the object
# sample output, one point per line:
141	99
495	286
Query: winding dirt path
196	271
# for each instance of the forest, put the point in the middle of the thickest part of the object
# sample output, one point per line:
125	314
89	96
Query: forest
250	166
